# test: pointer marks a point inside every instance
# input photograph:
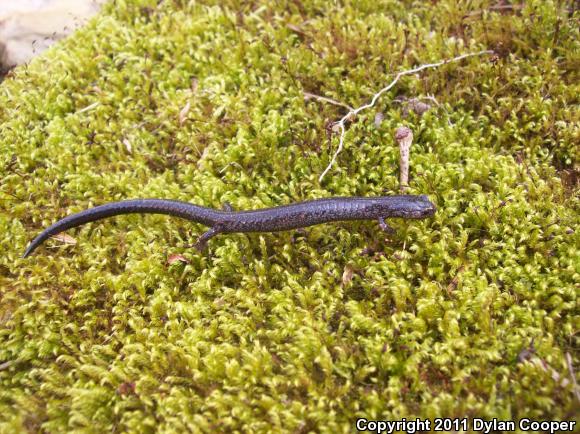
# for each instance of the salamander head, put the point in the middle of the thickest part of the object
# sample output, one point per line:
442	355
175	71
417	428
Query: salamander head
409	206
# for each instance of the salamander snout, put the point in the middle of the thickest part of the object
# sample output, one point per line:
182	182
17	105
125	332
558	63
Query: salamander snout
423	207
415	207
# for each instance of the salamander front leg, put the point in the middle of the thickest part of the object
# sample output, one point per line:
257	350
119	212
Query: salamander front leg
204	238
384	226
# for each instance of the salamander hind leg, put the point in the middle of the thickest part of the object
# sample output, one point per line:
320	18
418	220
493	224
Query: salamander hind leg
201	243
384	226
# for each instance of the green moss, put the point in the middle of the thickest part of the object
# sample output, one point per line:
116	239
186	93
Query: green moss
263	333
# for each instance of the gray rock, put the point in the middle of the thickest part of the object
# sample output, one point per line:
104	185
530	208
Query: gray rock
28	27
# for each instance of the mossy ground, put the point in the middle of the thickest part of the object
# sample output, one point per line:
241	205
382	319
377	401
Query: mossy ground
305	330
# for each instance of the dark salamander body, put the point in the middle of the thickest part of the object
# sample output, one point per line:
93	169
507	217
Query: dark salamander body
279	218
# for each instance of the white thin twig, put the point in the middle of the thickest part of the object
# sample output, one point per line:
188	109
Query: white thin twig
341	123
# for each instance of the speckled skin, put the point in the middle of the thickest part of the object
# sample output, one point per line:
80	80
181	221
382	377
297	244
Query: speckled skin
279	218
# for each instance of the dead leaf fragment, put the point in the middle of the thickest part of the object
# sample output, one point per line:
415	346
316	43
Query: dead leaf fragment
65	238
183	113
127	388
128	146
6	365
418	107
347	274
296	29
172	259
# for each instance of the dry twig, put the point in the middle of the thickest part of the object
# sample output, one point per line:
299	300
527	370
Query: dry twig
340	125
308	96
404	137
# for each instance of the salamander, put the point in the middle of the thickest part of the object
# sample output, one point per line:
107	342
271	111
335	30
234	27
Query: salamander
279	218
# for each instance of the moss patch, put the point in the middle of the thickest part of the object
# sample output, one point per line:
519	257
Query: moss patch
263	332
